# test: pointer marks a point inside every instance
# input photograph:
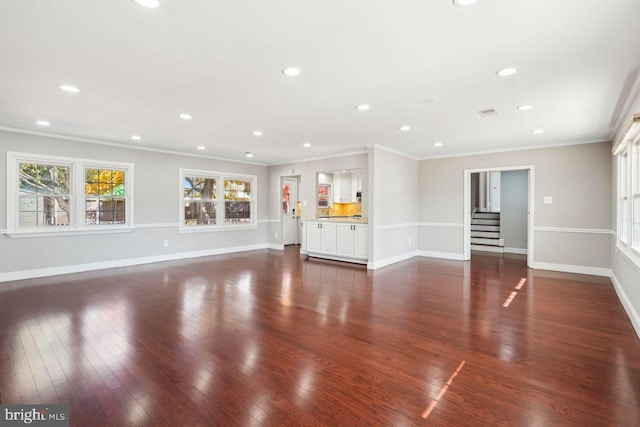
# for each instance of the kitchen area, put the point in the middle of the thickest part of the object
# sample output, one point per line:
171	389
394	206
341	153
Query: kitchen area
340	231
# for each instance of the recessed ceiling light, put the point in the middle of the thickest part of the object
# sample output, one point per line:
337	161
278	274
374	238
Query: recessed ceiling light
462	3
151	4
292	71
437	144
69	88
505	72
537	131
201	147
186	116
248	154
136	137
307	145
525	107
257	133
405	128
363	107
43	123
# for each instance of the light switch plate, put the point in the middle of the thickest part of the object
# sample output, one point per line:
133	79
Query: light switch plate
548	200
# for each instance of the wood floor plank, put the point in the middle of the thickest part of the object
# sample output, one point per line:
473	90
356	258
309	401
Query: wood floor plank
267	338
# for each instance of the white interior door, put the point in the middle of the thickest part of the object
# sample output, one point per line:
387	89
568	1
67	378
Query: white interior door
289	197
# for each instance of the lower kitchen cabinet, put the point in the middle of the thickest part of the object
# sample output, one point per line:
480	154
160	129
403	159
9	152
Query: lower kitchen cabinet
321	237
341	241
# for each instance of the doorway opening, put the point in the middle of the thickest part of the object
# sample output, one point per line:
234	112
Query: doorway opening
290	210
498	211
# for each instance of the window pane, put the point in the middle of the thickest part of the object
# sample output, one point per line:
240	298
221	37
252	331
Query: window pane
200	188
43	178
237	212
43	211
237	196
199	213
91	211
235	189
105	210
636	221
104	182
624	221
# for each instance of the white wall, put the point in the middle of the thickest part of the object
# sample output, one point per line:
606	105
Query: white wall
573	233
393	228
157	202
514	200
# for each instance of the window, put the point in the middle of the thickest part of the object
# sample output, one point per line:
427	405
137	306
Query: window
201	191
623	194
635	196
237	201
200	195
105	200
628	151
44	195
48	194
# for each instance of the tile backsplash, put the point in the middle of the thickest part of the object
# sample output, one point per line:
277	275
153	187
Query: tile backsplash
341	209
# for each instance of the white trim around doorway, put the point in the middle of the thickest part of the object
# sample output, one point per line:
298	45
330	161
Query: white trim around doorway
467	207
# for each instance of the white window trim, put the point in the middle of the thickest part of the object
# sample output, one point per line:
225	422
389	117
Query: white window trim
632	151
220	226
77	225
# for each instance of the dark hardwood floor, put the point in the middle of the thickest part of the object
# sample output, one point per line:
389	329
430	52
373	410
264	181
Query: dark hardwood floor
267	338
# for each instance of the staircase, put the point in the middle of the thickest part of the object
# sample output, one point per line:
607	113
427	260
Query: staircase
485	232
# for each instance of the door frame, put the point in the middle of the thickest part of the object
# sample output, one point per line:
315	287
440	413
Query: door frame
296	237
467	207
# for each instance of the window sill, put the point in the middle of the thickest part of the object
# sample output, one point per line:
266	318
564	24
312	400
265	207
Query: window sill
632	255
64	233
214	228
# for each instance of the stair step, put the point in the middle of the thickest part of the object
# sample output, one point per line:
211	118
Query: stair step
483	241
487	215
485	221
486	234
477	227
497	249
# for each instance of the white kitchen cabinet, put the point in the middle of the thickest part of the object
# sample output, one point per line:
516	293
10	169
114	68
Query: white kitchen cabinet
344	240
361	241
321	237
328	238
356	187
314	241
352	241
345	189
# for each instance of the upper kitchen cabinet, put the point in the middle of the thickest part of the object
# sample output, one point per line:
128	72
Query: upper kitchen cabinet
346	186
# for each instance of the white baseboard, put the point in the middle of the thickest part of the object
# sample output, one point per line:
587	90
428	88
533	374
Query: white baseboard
276	247
78	268
373	265
579	269
634	317
443	255
515	251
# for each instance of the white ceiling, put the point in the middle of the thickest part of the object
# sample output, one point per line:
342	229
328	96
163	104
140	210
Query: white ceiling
221	61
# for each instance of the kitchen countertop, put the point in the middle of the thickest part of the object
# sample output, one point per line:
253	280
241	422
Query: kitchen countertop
348	219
